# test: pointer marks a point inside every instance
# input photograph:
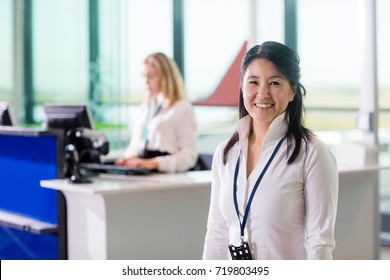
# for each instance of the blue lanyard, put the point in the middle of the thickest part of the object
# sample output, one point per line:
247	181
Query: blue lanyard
146	127
248	206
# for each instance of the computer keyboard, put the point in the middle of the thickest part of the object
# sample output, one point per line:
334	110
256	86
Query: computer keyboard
112	168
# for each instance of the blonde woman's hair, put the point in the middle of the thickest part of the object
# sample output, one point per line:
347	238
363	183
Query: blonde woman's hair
171	81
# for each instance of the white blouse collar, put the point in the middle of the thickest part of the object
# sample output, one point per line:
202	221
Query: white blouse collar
277	130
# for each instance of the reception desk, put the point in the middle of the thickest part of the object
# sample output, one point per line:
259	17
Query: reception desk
137	217
164	216
358	216
32	221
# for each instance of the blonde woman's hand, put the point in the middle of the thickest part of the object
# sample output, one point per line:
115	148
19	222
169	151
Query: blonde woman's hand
136	162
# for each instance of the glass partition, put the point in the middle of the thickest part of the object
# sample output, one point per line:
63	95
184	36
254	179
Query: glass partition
6	50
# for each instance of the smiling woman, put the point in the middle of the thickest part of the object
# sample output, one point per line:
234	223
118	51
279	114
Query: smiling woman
266	92
282	205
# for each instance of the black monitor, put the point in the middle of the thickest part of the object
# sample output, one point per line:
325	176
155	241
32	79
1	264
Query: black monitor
6	118
67	116
77	125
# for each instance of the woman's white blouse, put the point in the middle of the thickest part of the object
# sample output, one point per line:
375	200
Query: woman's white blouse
172	130
294	209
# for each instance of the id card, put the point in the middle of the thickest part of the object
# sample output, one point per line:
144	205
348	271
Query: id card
241	252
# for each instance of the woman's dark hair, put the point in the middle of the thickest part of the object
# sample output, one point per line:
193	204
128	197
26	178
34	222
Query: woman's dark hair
286	61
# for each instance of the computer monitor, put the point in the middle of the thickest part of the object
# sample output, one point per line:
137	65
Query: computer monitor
67	116
77	125
6	118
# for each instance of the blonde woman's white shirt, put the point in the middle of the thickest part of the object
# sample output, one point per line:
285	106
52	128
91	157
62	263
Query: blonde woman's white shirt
172	130
293	212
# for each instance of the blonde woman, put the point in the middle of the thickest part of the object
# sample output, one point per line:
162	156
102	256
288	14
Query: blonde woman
164	135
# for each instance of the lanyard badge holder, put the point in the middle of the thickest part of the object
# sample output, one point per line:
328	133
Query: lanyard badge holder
243	251
144	152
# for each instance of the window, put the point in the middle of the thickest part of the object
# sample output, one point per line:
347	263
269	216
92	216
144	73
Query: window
6	47
60	52
383	7
208	55
128	31
328	48
270	21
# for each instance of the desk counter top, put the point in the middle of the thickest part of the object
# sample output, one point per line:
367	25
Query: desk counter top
105	183
359	169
